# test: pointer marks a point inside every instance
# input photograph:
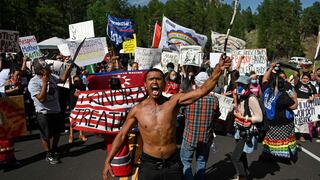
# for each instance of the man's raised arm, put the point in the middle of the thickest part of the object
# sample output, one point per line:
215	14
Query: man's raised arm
117	143
208	86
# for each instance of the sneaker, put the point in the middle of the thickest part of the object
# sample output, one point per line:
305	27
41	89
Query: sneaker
318	140
52	158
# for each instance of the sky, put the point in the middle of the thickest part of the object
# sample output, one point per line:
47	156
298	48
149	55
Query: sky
244	3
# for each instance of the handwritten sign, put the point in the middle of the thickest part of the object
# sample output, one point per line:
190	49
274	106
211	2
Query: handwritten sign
29	47
129	46
9	41
307	111
104	111
12	118
167	57
147	57
225	105
81	30
254	60
191	55
92	51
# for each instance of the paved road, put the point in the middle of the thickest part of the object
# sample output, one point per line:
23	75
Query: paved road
84	161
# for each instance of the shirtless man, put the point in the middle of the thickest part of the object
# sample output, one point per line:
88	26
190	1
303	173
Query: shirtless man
156	117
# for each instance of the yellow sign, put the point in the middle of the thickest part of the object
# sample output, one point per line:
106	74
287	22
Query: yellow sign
129	46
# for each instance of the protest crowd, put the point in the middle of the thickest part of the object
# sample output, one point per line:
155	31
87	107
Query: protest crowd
175	100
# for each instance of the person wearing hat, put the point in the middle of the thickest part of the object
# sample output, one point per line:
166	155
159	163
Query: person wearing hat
198	131
44	93
247	112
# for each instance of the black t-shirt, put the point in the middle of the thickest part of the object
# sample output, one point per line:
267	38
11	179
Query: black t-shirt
282	104
305	90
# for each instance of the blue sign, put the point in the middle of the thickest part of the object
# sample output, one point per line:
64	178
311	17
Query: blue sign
119	30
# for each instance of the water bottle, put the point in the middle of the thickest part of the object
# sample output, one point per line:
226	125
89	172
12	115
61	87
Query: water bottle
84	81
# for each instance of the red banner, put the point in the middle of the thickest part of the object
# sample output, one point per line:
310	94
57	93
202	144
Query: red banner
104	111
128	79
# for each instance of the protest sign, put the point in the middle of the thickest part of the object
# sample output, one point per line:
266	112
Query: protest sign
128	79
64	49
119	30
79	31
147	57
167	57
104	111
214	59
190	55
307	111
29	47
92	51
173	36
129	46
254	60
9	41
225	105
218	41
12	119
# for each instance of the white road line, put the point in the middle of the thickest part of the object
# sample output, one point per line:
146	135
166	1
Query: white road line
310	154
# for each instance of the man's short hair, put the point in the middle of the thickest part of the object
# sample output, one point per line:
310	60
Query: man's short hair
153	70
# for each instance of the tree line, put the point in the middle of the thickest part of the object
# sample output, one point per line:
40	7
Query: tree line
280	25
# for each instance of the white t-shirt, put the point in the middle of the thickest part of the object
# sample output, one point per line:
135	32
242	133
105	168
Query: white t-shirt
4	76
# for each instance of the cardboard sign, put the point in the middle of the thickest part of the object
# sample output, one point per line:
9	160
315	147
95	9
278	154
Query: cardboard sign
167	57
232	44
307	111
128	79
104	111
9	41
147	57
29	47
225	105
254	60
81	30
92	51
191	55
129	46
12	118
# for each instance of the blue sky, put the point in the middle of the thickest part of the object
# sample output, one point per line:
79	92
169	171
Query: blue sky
244	3
255	3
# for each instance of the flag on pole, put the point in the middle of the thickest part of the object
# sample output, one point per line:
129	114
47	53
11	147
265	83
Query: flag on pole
156	35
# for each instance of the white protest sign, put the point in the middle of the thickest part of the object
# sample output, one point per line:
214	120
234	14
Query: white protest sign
92	51
81	30
190	55
147	57
29	47
167	57
225	105
254	60
307	111
214	59
64	49
9	41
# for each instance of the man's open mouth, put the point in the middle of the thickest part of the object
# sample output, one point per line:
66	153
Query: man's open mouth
155	90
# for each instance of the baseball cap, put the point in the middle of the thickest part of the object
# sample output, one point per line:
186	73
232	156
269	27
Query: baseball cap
243	80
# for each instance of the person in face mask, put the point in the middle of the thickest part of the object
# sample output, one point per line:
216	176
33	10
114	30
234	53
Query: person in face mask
305	90
254	85
247	113
172	85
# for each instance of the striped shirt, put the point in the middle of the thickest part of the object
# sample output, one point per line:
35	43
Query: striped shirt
199	118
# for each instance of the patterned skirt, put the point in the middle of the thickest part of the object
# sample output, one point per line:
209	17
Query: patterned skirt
280	141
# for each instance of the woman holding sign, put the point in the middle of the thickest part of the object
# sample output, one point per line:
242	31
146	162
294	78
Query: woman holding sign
305	90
